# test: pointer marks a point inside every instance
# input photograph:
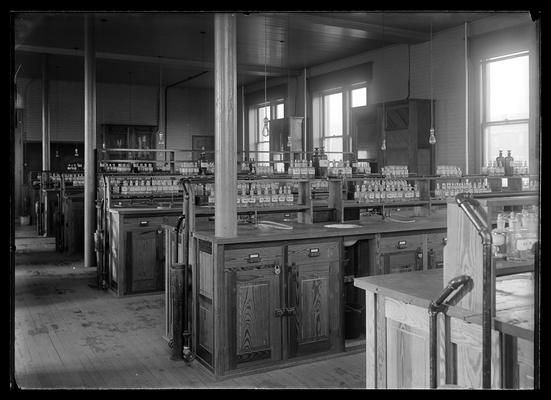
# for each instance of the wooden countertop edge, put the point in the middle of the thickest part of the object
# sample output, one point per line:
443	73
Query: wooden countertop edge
317	230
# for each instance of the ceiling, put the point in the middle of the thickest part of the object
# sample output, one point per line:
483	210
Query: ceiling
136	47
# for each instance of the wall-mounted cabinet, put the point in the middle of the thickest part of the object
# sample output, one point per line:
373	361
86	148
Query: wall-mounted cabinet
405	126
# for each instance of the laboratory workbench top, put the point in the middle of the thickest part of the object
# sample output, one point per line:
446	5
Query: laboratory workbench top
514	297
367	226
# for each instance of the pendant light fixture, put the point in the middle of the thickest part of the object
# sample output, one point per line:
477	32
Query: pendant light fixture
432	138
383	143
266	128
160	133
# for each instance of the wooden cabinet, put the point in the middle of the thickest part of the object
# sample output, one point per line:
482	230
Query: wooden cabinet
137	251
313	283
144	260
405	253
406	125
254	282
277	301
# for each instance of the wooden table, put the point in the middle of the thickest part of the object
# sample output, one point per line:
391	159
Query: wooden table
397	342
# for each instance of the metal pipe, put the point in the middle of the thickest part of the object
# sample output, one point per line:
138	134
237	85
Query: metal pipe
471	209
436	307
466	104
45	115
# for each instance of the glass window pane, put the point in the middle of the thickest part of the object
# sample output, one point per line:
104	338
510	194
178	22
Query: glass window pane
508	89
512	137
332	113
280	111
263	146
359	97
332	145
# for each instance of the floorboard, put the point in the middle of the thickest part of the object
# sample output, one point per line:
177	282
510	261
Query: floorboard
70	335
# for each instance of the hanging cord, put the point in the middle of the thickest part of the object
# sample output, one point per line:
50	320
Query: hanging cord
383	145
432	138
265	129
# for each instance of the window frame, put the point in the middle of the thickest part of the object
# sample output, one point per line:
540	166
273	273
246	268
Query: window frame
484	103
346	92
272	105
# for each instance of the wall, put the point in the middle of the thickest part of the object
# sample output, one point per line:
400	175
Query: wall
448	61
190	111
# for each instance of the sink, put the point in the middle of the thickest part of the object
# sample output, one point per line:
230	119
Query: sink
342	226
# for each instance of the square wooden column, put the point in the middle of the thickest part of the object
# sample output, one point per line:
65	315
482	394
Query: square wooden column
225	125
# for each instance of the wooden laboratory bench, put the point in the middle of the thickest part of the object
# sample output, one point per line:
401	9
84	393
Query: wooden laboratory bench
268	297
397	326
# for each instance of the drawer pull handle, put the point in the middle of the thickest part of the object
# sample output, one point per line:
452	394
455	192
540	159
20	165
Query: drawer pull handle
253	258
314	252
401	244
144	223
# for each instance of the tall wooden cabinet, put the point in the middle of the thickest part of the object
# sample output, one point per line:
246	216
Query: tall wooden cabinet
405	126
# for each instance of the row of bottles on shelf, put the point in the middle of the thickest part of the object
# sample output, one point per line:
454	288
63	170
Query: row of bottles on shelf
447	190
145	185
505	166
126	167
339	169
385	190
266	194
395	171
301	169
515	235
361	167
76	166
448	170
73	179
254	194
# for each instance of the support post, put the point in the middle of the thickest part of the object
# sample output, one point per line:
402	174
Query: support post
45	115
89	140
225	124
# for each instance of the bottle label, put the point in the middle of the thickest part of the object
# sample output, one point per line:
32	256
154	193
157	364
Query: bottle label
498	240
204	164
525	244
324	163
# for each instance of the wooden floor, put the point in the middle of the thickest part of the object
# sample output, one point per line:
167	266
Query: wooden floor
70	335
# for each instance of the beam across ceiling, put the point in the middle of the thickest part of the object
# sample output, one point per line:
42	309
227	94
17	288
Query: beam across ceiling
367	30
173	62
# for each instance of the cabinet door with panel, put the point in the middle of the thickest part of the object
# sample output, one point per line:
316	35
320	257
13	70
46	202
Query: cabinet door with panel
313	297
144	260
253	278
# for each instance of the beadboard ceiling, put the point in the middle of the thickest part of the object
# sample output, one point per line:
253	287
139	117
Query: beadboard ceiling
146	48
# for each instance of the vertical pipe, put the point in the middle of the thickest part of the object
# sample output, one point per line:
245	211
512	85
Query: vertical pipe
466	105
89	139
305	133
433	315
45	115
487	307
225	124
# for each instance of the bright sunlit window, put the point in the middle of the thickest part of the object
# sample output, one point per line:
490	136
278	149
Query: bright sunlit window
506	111
259	142
333	125
359	97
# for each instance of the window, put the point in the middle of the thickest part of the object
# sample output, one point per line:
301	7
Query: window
505	122
359	97
261	139
334	114
332	127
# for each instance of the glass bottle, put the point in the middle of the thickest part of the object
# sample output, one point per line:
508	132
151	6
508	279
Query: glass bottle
528	236
509	166
499	238
499	159
513	235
